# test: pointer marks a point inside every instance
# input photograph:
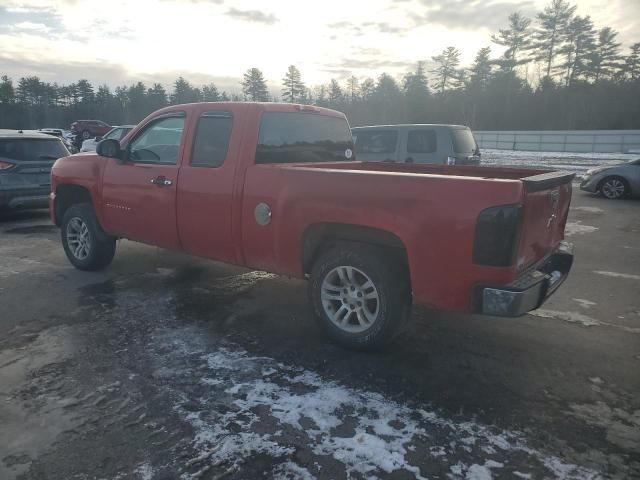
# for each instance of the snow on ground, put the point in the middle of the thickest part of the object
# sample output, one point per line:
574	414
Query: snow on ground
573	162
250	405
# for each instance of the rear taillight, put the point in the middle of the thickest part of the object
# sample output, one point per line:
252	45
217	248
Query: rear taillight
497	233
5	165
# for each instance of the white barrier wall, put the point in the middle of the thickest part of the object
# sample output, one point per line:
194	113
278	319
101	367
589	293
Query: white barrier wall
601	141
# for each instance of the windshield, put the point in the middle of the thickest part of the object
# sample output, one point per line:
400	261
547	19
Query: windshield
32	149
303	137
463	141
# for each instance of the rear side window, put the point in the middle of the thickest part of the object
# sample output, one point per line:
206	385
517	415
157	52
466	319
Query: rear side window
463	141
422	141
212	139
32	149
303	137
376	141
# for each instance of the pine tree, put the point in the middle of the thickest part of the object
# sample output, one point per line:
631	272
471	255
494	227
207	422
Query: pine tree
353	88
183	92
254	86
334	93
415	84
210	93
580	42
480	71
632	62
516	38
605	58
550	34
446	71
294	89
157	96
416	93
367	87
85	91
7	92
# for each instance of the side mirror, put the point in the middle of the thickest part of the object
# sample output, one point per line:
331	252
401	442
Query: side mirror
110	147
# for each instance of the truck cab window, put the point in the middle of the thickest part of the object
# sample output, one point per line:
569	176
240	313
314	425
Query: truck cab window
290	137
422	141
159	142
212	139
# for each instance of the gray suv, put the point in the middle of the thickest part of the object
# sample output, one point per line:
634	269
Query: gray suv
26	158
416	143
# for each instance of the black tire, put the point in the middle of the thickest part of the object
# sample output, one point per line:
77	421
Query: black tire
100	247
614	187
86	134
389	276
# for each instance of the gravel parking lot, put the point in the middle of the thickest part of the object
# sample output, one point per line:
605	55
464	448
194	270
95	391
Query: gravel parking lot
167	366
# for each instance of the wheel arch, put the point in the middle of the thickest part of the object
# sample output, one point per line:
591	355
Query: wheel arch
319	237
67	195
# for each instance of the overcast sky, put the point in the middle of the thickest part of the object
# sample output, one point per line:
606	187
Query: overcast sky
117	42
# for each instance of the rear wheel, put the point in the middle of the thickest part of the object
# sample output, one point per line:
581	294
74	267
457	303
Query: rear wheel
86	134
614	187
87	246
360	295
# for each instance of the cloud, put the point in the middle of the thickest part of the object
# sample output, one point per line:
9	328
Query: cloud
112	74
255	16
470	14
360	28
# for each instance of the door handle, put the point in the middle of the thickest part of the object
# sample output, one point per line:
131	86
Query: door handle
161	181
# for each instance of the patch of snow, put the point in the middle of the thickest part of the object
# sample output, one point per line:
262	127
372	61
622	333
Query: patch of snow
588	209
584	303
478	472
525	476
629	276
144	471
577	317
297	409
291	470
576	228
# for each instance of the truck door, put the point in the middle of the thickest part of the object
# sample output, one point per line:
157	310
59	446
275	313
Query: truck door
205	188
422	146
139	194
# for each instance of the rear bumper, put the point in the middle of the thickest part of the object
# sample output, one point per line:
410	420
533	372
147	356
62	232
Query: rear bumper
36	197
529	291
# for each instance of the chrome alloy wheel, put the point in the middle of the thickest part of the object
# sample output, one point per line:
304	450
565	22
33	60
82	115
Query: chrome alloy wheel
350	299
613	188
78	238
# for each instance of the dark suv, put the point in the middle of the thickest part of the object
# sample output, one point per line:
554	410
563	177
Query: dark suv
26	159
90	128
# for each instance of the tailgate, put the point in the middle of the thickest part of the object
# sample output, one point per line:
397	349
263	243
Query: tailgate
546	207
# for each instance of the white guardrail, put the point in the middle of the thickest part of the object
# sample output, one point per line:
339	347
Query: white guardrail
584	141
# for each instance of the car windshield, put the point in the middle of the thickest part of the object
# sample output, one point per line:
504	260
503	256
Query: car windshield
32	149
463	141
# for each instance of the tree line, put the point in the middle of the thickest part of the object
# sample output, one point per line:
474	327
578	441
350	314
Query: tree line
558	71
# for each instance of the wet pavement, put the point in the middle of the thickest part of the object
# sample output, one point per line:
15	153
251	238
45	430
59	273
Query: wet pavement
168	366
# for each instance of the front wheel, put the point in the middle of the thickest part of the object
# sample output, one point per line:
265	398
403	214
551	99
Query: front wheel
614	188
86	134
360	295
87	246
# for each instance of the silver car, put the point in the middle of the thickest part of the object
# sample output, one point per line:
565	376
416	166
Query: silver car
615	181
117	133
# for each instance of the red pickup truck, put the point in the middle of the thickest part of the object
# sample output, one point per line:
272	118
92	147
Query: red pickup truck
277	187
